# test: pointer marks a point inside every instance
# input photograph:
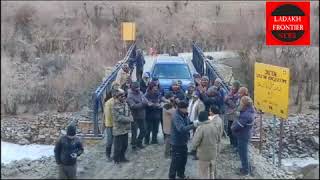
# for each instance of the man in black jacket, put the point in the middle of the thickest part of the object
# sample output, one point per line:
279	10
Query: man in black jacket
181	125
66	151
139	64
153	112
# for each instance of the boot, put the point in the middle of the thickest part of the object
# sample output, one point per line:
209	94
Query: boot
125	160
140	146
108	153
146	141
154	140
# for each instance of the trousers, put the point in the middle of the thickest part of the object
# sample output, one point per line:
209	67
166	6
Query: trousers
120	147
152	126
179	157
243	149
167	145
139	72
135	138
67	171
109	138
233	139
206	169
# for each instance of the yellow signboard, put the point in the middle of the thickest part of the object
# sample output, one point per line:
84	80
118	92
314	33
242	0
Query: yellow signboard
271	89
128	31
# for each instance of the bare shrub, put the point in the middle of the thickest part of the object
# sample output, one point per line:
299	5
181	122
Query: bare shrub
88	36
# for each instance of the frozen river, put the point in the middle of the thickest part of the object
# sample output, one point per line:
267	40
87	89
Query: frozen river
11	152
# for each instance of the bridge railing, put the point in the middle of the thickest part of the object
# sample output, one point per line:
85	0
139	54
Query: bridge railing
204	67
105	87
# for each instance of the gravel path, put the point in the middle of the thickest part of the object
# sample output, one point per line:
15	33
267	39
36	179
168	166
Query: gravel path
144	164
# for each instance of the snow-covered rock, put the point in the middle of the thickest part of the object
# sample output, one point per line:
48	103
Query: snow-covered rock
307	167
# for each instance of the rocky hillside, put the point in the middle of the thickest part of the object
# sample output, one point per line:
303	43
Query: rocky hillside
301	136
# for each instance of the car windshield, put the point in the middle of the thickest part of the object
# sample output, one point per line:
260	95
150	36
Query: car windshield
172	71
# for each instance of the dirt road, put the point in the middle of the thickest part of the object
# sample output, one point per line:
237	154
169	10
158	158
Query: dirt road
148	163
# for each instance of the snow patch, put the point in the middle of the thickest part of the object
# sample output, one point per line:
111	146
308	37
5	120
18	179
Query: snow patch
293	164
11	152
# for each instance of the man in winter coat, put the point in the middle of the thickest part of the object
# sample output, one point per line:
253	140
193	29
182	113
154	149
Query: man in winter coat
108	123
214	117
139	60
66	151
204	85
168	111
243	91
195	107
231	106
153	111
137	104
241	128
122	118
181	125
206	140
123	75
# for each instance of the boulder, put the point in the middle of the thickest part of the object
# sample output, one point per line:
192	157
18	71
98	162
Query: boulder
310	171
300	166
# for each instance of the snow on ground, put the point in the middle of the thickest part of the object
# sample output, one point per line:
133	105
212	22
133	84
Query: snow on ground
11	152
292	164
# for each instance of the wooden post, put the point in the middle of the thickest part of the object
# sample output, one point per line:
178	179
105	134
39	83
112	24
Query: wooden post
280	142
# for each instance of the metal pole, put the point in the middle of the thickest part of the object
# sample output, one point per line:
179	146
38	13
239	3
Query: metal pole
280	142
95	120
273	139
260	144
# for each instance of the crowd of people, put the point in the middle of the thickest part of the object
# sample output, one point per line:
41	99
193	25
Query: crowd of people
204	110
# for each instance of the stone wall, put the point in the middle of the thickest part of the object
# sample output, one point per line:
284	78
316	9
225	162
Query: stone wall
45	128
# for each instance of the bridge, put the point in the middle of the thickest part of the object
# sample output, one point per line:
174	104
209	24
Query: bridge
201	64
